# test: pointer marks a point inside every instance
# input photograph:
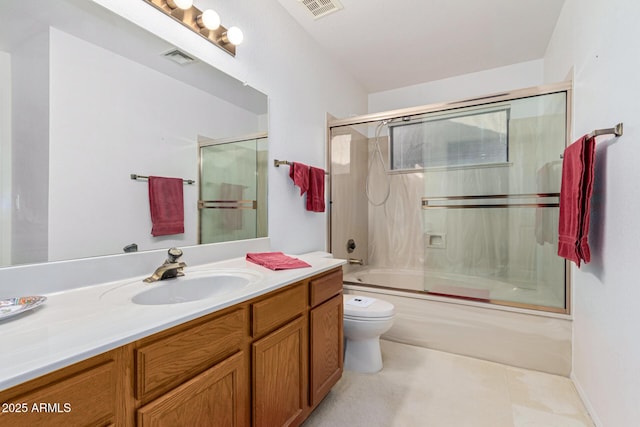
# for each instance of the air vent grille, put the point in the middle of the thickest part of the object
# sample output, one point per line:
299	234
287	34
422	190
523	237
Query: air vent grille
176	55
320	8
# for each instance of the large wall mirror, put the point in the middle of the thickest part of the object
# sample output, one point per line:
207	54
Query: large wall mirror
87	99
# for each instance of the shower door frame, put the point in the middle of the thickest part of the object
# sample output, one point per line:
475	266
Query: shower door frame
240	204
365	119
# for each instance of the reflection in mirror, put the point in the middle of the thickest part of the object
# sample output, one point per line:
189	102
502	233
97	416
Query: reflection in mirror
87	99
233	199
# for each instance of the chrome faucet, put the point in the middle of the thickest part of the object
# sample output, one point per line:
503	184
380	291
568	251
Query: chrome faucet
356	261
170	268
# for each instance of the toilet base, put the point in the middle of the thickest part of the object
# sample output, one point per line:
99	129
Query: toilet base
363	356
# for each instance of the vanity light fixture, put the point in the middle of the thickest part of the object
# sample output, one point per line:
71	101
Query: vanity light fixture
206	23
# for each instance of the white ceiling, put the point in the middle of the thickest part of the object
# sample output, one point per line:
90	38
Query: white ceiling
396	43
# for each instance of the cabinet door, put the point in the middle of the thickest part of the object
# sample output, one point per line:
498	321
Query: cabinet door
87	398
326	336
217	397
280	383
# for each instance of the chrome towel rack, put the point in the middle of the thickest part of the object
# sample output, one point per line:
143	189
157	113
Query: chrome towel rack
135	176
617	130
277	164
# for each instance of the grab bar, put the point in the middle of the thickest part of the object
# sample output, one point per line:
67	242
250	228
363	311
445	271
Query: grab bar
426	201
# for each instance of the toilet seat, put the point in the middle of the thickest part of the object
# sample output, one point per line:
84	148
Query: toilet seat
379	310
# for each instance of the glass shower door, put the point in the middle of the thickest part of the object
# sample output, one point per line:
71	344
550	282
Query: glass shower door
490	215
232	201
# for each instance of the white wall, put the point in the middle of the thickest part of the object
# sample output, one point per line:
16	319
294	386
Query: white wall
600	41
303	83
516	76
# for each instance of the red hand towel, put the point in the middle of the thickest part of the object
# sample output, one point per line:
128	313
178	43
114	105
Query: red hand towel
167	205
315	195
575	200
299	173
276	260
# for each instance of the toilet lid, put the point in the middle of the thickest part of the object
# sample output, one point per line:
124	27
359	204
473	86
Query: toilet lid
366	307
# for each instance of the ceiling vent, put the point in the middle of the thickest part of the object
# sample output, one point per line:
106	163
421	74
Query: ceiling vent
320	8
178	56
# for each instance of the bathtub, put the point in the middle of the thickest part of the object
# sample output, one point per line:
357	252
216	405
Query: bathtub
469	326
453	285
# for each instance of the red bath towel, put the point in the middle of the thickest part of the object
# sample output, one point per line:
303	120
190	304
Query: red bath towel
299	173
276	260
167	205
575	200
315	195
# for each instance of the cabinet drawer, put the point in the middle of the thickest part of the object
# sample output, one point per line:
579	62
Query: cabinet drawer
84	399
325	287
170	361
274	311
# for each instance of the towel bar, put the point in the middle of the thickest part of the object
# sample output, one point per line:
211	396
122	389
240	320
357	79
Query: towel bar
277	164
142	177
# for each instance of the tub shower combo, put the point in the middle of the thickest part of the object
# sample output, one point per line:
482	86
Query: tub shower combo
456	200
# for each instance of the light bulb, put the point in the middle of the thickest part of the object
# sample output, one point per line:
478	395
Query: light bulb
235	36
182	4
209	19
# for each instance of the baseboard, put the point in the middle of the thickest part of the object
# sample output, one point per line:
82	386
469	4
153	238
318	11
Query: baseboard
586	401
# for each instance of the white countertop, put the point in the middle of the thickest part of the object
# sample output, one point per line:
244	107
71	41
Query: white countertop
80	323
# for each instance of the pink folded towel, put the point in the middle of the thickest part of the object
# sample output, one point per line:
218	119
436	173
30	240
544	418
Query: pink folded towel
299	173
276	260
167	205
315	194
575	200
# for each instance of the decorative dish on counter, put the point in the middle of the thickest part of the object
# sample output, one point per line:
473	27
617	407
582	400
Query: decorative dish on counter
13	306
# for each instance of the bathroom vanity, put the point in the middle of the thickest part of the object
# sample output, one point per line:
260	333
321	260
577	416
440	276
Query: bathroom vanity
264	361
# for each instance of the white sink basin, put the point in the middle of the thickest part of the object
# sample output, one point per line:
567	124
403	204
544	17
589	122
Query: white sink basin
194	286
188	289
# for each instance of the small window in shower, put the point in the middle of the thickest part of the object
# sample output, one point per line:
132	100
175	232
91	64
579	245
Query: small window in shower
464	139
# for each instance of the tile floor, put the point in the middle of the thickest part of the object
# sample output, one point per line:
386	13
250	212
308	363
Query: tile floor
422	387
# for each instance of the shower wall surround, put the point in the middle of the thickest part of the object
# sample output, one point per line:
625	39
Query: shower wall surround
348	176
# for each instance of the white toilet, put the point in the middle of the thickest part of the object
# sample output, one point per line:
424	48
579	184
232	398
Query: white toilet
365	319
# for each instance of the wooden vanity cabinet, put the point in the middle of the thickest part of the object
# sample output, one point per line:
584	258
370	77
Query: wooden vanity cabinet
295	366
280	358
326	335
88	393
266	362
